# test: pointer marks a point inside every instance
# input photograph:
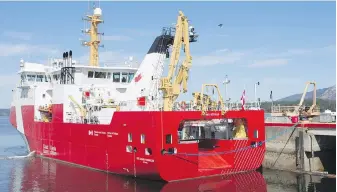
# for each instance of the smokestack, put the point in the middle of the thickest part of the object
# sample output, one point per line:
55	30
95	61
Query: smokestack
71	56
66	59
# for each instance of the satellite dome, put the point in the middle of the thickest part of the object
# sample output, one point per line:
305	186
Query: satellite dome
97	11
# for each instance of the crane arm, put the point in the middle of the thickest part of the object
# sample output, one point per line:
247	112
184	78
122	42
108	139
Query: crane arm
182	75
82	110
305	92
176	46
170	85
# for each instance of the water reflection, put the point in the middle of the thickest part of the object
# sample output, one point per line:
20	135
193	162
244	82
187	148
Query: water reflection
47	175
281	181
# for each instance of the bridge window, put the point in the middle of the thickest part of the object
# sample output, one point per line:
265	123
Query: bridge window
124	77
39	78
55	77
90	74
46	78
103	75
131	75
100	75
97	74
116	77
109	75
31	78
23	78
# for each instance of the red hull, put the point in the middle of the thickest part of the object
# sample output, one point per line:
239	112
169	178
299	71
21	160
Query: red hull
58	177
103	147
12	117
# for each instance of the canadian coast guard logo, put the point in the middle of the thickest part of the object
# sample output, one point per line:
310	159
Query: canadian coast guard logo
138	78
90	132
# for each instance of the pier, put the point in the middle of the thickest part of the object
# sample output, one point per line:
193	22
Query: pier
311	147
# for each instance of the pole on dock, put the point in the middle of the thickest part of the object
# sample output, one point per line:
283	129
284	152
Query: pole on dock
227	81
272	101
255	90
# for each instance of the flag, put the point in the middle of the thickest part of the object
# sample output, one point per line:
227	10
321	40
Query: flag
271	95
243	98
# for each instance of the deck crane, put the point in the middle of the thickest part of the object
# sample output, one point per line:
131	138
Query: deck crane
313	109
300	109
171	85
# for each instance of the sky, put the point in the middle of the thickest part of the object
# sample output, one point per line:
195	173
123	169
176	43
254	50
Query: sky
282	45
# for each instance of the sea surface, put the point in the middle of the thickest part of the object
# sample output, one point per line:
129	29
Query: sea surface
41	175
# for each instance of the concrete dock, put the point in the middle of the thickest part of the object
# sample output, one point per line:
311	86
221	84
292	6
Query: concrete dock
312	147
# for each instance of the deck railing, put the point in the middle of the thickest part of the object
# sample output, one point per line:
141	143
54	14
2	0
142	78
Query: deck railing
290	109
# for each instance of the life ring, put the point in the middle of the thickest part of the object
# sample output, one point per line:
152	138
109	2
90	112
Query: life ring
183	105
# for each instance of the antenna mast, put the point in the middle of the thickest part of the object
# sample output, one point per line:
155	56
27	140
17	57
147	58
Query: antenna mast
94	42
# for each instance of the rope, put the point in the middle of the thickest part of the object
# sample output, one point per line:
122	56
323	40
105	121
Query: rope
284	146
236	150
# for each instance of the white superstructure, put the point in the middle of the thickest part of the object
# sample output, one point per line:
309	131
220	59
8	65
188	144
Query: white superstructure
97	88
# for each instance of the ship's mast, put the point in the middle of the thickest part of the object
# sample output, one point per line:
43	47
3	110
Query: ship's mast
94	42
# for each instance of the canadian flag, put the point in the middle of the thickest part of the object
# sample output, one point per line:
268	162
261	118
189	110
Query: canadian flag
243	98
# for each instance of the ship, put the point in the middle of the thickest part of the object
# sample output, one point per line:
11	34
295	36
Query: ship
126	120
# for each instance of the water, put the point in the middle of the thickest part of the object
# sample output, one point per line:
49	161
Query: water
40	175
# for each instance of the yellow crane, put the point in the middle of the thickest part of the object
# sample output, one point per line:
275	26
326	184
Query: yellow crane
205	103
314	109
82	110
300	109
170	85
